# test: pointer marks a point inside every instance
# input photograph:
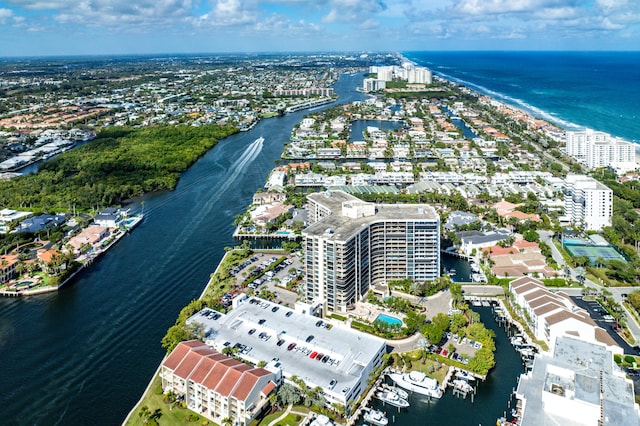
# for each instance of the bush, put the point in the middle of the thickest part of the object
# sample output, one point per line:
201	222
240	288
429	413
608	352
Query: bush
617	358
629	359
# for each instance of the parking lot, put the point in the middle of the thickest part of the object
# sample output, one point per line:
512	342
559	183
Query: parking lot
604	320
464	348
274	280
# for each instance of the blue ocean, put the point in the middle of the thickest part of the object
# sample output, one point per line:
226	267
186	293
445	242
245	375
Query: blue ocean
598	90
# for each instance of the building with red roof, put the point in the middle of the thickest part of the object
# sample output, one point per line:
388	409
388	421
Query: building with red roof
216	385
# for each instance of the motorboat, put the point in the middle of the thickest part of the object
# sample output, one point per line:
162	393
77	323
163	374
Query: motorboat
462	385
376	417
392	398
401	392
465	376
418	382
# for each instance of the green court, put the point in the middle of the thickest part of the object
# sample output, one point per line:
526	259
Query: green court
593	252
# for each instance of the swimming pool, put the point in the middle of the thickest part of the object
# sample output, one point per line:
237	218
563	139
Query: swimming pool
389	320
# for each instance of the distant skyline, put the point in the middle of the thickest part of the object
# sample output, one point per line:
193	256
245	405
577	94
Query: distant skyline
82	27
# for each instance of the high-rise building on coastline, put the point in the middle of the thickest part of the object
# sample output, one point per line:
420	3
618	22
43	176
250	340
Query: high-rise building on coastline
373	84
587	202
407	72
352	245
598	149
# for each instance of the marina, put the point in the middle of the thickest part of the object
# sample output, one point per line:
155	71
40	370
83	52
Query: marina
489	399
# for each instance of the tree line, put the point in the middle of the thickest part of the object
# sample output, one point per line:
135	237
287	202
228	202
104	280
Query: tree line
119	164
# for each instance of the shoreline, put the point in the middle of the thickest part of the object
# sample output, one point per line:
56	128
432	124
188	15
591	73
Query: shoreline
516	103
157	371
87	262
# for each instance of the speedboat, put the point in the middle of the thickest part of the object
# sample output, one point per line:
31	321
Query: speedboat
465	376
418	382
392	398
376	417
462	385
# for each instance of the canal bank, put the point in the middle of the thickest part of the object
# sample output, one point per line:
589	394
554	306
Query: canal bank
84	355
489	402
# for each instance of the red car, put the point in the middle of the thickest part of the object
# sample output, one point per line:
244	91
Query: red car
313	355
444	353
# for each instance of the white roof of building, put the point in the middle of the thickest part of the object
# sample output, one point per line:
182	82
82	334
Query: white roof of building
354	350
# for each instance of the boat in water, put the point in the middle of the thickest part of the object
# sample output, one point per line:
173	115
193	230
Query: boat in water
462	385
418	382
392	398
376	417
465	376
401	392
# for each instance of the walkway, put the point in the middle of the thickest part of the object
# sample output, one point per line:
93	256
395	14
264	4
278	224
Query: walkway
274	422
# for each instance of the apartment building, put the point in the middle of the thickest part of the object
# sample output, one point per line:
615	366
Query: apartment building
587	202
216	385
351	245
552	315
598	149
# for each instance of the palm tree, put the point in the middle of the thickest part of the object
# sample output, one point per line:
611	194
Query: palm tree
227	421
423	345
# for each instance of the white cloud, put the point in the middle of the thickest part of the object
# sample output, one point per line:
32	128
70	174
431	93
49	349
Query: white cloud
353	10
488	7
5	15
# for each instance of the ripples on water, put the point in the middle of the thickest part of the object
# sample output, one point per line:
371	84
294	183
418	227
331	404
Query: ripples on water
85	354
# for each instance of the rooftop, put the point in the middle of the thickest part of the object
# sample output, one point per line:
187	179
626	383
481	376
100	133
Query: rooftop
350	350
584	375
349	214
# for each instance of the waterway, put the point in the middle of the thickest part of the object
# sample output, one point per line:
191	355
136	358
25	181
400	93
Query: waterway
84	355
489	403
356	133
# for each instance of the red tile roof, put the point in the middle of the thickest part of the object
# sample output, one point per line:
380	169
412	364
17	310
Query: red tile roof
199	363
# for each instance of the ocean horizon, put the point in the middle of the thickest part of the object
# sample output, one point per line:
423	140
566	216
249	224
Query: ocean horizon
575	90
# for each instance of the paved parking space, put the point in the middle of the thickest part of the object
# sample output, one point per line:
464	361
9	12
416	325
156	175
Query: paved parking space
276	280
602	319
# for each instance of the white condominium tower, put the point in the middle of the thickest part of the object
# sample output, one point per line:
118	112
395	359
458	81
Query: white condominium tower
352	244
587	202
599	149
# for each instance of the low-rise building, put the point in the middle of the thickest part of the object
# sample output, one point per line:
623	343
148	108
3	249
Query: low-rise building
215	385
552	315
296	343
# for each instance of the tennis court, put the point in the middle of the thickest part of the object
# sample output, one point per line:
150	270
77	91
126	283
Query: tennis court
593	252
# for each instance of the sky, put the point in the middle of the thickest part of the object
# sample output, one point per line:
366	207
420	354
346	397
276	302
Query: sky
84	27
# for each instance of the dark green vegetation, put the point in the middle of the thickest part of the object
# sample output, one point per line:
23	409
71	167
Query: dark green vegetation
119	164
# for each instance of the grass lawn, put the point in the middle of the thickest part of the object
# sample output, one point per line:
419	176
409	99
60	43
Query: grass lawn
292	419
429	367
174	416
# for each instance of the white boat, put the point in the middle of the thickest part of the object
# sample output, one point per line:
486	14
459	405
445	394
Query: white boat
462	385
376	417
401	393
392	398
418	382
465	376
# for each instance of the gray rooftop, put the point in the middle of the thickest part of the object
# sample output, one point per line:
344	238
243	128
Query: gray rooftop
584	374
339	227
350	350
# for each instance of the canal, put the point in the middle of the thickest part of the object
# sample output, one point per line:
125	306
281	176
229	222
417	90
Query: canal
84	355
489	403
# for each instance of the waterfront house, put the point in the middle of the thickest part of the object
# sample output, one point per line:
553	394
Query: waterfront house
8	263
91	235
215	385
109	218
